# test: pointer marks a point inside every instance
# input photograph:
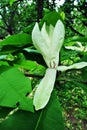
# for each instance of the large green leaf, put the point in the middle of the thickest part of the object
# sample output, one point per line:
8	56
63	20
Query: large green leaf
51	18
49	118
70	41
21	120
14	87
15	43
11	2
17	40
80	39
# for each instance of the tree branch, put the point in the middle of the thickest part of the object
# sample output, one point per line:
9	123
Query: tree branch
34	75
59	79
74	30
71	79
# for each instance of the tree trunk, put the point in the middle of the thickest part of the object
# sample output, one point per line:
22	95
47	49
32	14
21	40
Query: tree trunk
39	9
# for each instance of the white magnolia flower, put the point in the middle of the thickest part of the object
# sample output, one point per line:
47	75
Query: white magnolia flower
49	44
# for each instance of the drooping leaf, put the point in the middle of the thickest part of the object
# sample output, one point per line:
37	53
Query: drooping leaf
14	87
49	118
7	49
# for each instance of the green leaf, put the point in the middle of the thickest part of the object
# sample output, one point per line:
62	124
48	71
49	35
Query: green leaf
32	66
7	49
11	2
4	63
21	120
14	87
15	43
49	118
17	40
51	18
62	15
80	39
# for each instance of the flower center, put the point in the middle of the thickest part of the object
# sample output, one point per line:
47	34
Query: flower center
52	64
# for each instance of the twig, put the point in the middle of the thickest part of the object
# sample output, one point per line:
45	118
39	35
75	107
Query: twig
70	80
34	75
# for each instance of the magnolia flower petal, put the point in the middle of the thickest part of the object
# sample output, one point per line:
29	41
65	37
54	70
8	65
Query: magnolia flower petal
44	89
58	36
74	66
79	43
51	30
73	48
38	40
45	35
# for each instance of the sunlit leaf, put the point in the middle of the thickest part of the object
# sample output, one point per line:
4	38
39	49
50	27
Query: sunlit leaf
14	87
